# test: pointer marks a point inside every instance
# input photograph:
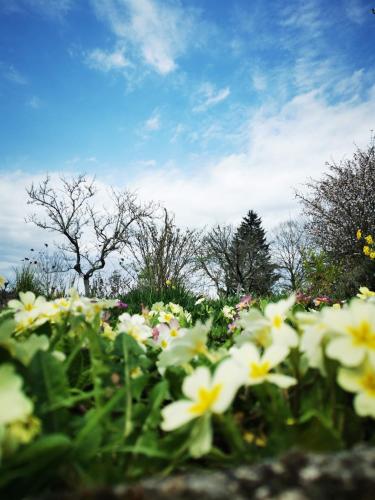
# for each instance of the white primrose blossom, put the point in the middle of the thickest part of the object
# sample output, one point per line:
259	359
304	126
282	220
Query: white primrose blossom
169	333
360	380
205	393
354	329
229	312
270	327
135	327
193	341
256	368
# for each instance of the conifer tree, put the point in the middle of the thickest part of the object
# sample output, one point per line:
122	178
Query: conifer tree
251	270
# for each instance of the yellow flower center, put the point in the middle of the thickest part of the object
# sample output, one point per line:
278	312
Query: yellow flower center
363	334
200	348
368	383
277	321
173	333
259	370
164	344
29	307
168	317
206	398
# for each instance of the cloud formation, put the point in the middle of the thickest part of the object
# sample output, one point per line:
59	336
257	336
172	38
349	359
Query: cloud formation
208	96
157	32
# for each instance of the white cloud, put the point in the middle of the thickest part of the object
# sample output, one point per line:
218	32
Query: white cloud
10	73
153	123
208	96
158	31
107	61
285	148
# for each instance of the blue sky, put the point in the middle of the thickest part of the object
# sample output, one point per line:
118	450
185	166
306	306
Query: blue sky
211	107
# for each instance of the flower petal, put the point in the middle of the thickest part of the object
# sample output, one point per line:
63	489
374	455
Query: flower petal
342	348
283	381
201	377
176	414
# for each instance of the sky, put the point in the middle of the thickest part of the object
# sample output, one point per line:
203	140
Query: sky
211	107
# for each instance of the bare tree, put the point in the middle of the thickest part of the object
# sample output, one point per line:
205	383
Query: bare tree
214	258
160	251
90	235
288	250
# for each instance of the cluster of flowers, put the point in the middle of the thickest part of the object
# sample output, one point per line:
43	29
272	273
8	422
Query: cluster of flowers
345	334
260	346
369	246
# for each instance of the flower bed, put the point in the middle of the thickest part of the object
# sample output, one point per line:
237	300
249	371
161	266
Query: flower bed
92	395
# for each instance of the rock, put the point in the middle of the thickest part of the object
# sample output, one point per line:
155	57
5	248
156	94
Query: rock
295	476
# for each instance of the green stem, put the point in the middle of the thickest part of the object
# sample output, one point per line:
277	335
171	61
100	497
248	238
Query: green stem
128	395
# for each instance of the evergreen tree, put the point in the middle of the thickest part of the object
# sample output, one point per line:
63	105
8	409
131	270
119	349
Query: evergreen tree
251	270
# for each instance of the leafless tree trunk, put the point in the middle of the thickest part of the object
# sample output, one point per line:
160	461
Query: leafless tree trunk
91	235
287	250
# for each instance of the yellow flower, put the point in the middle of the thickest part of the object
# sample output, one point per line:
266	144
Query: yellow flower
366	250
372	255
2	282
359	234
369	239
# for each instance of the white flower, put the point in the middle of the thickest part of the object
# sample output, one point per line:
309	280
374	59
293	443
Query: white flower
228	312
205	393
314	330
175	308
13	402
135	327
256	368
165	317
193	341
270	327
360	380
354	327
169	333
365	293
28	303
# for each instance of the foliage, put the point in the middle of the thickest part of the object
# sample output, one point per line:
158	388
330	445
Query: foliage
95	397
336	207
251	270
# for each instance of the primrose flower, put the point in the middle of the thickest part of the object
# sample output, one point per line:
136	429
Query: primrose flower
135	327
361	381
165	317
2	282
28	303
256	368
365	293
167	334
369	240
175	308
366	250
354	327
228	312
270	327
205	393
13	402
359	234
193	341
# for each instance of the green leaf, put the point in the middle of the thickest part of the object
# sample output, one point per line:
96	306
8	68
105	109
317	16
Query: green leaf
49	385
201	437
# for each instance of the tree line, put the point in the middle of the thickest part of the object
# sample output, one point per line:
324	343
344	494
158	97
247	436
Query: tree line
318	253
